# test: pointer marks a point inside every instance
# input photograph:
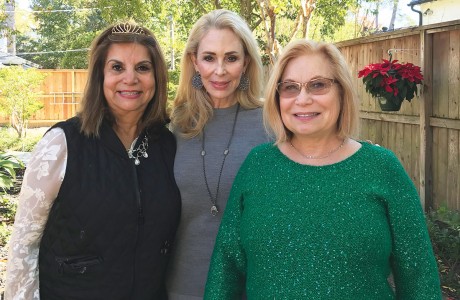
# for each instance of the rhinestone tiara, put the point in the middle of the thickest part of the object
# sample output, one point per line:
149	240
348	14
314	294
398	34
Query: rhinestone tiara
127	28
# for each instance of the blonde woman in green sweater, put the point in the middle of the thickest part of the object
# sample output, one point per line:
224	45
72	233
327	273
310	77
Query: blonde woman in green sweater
317	214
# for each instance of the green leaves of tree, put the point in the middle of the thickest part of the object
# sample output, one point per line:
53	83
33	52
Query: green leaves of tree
64	25
19	96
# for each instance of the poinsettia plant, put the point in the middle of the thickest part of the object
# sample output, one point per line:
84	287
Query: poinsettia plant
392	80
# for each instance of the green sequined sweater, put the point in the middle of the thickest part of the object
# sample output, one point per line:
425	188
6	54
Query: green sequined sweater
293	231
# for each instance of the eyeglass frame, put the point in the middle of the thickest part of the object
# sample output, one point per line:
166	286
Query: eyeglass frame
305	84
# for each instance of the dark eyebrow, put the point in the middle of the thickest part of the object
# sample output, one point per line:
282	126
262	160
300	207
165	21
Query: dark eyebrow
145	62
117	61
113	60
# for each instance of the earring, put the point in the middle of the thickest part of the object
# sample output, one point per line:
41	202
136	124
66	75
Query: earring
196	81
244	82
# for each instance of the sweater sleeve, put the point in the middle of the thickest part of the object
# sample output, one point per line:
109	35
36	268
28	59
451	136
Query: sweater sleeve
227	272
413	263
41	184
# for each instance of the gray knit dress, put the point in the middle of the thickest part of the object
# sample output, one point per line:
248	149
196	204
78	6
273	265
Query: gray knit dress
198	228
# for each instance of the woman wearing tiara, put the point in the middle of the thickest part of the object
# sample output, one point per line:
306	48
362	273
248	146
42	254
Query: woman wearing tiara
99	206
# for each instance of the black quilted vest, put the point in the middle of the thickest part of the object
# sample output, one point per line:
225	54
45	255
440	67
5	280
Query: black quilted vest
111	227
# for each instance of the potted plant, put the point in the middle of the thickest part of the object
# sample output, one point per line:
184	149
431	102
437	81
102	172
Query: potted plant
391	82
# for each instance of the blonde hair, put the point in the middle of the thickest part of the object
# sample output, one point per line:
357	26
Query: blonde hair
193	108
347	123
94	108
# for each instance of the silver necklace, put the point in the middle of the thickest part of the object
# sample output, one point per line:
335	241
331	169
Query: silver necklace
214	209
319	157
140	151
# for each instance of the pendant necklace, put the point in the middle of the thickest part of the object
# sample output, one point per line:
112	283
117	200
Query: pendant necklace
318	157
140	151
214	209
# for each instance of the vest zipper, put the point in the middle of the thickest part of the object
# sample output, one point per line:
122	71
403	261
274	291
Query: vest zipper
140	210
140	222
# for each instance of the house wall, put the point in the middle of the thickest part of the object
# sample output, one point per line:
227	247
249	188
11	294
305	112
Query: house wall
440	11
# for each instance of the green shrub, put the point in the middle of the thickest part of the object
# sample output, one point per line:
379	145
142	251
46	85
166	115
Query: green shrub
8	166
19	95
5	232
172	85
9	140
444	228
8	207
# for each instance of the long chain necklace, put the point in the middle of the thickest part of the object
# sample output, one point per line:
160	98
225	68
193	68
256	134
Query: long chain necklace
319	157
140	151
214	209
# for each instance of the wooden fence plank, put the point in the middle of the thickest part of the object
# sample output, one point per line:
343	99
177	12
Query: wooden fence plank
440	66
452	168
441	175
426	131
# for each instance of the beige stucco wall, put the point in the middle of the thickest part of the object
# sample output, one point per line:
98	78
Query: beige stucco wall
440	11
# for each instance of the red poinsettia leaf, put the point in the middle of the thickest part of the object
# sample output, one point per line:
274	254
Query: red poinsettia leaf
388	88
391	79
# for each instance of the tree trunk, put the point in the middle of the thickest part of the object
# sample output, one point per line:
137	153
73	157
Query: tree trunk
393	14
268	16
17	124
297	23
246	11
307	6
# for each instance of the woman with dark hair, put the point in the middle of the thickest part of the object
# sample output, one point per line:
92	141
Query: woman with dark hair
99	206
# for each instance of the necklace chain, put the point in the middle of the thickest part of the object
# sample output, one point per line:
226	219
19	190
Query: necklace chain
140	151
214	209
318	157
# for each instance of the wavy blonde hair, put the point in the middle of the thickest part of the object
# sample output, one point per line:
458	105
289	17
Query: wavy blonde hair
193	108
347	123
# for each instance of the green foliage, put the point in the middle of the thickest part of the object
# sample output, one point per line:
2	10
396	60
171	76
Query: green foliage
172	84
64	25
444	228
5	232
8	166
8	208
334	11
9	140
19	95
2	18
73	24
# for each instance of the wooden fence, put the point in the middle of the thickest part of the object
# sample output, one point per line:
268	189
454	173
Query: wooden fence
424	134
61	94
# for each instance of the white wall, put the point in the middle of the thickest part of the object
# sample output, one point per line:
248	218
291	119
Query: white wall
440	11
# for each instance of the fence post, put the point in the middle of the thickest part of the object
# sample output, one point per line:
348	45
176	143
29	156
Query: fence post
426	131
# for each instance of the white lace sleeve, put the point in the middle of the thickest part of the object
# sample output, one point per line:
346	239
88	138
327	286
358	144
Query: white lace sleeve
42	181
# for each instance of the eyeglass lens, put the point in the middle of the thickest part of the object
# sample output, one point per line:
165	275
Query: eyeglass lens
318	86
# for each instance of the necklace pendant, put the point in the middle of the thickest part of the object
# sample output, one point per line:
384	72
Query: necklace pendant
137	161
145	154
214	210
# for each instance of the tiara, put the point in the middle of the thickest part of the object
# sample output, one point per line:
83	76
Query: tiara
127	28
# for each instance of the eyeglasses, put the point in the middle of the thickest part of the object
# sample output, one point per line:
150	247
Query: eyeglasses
319	86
